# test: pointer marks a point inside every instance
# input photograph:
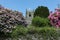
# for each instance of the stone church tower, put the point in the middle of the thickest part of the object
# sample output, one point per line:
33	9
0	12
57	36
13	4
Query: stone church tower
29	15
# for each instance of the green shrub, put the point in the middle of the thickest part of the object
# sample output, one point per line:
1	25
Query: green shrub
45	32
33	30
20	30
38	21
48	32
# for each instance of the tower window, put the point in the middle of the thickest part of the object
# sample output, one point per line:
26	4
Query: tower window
29	15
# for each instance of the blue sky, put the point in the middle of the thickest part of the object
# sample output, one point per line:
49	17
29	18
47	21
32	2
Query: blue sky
22	5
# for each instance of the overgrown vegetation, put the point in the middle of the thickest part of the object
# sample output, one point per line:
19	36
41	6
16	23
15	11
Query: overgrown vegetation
40	22
20	30
45	32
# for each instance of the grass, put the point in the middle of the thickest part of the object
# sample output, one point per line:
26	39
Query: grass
45	32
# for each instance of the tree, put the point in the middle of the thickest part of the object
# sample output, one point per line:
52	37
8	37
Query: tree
41	11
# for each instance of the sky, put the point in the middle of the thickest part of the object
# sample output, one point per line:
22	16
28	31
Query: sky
22	5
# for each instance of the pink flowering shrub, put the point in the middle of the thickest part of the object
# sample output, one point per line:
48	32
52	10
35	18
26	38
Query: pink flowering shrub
55	18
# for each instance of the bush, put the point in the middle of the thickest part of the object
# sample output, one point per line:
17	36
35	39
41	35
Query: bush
20	30
54	18
45	32
38	21
48	32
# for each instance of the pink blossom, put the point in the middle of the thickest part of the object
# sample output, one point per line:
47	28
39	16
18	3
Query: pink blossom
57	26
55	18
59	22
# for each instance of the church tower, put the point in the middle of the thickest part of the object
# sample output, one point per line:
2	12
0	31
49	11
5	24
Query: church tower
29	15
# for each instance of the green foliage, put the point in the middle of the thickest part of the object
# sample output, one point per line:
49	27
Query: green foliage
39	22
48	32
41	11
45	32
20	30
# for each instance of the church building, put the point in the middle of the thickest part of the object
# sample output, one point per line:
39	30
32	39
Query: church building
29	15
